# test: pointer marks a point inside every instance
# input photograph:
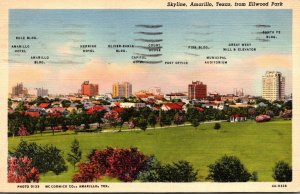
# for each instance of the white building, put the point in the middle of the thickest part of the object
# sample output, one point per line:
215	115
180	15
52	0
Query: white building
38	92
273	86
131	104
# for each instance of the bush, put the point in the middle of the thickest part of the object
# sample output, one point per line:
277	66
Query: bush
181	171
124	164
151	171
21	170
46	158
217	126
282	172
228	169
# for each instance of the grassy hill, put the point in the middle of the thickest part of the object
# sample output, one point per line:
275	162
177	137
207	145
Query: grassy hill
258	145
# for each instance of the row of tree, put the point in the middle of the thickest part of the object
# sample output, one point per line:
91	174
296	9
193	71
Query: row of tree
133	117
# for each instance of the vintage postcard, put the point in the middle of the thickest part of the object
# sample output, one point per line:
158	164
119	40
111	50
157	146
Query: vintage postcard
160	96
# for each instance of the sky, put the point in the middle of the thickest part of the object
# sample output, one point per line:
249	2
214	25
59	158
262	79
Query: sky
61	32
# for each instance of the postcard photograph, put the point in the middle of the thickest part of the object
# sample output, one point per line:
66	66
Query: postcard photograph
107	96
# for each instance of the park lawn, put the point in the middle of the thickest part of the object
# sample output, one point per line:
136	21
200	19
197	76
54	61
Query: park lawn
258	145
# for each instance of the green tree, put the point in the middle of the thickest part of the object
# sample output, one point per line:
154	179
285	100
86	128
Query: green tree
44	158
142	124
228	169
152	120
13	127
282	172
181	171
195	123
151	171
75	154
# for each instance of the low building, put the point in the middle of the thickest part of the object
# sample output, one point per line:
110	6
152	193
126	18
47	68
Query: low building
237	118
132	105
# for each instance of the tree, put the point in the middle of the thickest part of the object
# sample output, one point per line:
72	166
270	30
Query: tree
152	120
228	169
75	155
142	124
21	170
181	171
195	123
124	164
282	172
23	131
151	171
178	119
112	118
46	158
41	124
13	126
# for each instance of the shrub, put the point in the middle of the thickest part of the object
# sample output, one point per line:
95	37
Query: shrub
151	171
46	158
123	164
282	172
181	171
217	126
228	169
254	176
21	170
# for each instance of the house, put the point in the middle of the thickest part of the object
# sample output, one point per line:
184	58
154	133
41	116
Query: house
132	104
237	118
117	109
33	113
44	105
56	111
95	109
171	106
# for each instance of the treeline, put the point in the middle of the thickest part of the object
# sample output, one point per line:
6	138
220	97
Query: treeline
135	117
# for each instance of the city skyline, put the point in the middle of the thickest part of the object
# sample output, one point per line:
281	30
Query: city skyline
69	65
273	88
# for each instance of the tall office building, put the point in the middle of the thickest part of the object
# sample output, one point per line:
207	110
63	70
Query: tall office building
18	90
89	89
273	86
197	90
122	90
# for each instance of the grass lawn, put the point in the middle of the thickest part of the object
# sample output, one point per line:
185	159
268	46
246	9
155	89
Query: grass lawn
258	145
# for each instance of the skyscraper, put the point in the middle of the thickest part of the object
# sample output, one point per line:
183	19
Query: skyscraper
273	86
89	89
18	90
122	90
197	90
